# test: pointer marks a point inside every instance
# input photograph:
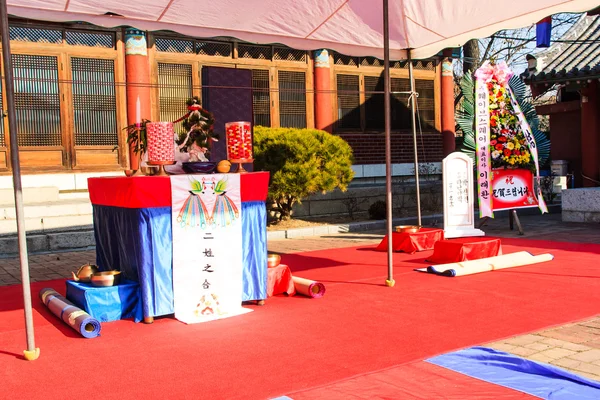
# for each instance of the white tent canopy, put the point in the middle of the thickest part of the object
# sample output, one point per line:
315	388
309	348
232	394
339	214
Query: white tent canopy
413	29
351	27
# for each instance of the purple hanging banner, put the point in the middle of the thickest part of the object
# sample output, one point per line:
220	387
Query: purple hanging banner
543	32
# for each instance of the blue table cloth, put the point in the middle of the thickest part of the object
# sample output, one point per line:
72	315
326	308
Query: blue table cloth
107	304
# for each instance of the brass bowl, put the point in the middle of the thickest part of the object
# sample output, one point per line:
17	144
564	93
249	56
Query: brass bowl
85	272
408	228
106	278
273	260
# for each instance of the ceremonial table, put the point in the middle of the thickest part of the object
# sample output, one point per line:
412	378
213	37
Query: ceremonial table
280	281
464	249
410	243
133	231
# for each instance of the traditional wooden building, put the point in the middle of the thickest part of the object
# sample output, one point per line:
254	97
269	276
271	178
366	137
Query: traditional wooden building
78	86
571	66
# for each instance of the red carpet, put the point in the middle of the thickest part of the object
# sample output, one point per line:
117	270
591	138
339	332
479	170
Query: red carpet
295	344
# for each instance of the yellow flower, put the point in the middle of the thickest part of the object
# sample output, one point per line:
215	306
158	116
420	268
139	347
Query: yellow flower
510	145
517	145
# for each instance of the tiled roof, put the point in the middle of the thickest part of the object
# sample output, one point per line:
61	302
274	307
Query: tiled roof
571	61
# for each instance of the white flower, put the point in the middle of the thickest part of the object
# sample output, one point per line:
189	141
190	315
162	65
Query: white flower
496	154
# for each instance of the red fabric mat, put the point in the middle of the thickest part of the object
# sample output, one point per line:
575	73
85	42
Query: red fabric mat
295	343
410	243
155	191
279	281
419	380
464	249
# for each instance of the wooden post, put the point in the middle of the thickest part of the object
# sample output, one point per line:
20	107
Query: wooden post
137	75
323	93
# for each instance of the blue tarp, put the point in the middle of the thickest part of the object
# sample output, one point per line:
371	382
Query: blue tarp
534	378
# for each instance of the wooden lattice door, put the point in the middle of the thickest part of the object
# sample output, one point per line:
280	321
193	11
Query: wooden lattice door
95	137
40	120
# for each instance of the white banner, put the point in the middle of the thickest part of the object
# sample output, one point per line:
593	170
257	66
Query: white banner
532	147
207	247
482	139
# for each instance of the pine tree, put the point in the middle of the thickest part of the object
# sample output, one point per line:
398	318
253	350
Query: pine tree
301	162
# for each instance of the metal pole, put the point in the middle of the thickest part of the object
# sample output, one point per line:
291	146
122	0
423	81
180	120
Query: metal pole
32	352
388	146
413	108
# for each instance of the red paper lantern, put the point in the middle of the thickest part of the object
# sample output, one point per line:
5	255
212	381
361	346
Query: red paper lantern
161	142
239	142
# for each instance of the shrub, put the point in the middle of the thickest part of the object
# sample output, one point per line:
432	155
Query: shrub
301	162
378	210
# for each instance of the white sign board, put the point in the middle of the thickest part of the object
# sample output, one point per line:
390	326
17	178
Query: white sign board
459	210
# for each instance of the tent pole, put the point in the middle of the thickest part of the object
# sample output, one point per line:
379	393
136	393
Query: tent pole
388	147
413	107
32	352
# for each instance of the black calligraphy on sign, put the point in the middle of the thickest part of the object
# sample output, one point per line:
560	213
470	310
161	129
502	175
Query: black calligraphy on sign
207	268
482	131
462	182
457	189
208	253
206	284
516	191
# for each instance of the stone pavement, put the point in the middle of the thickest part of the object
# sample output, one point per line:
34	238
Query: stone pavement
574	346
43	267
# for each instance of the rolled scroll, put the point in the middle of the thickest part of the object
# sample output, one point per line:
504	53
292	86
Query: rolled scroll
73	316
309	288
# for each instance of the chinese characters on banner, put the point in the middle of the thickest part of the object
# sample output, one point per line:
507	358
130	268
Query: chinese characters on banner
482	139
207	247
513	188
458	196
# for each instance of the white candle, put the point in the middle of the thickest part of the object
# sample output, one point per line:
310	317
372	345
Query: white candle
138	117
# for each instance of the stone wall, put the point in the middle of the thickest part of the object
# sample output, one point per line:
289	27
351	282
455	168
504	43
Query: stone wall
581	205
358	198
368	187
